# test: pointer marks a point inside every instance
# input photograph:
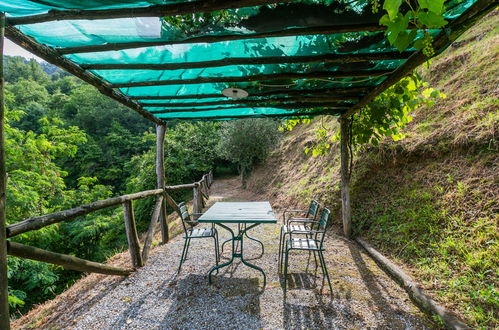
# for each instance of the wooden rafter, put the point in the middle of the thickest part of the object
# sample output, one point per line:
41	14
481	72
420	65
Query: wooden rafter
182	8
258	77
326	58
49	55
353	91
284	115
321	30
325	99
283	106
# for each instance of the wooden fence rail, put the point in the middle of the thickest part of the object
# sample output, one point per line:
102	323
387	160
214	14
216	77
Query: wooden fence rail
200	193
67	261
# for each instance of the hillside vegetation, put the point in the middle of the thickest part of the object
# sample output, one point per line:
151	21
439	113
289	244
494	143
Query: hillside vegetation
428	201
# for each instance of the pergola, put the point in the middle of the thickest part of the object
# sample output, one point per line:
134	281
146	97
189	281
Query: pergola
170	60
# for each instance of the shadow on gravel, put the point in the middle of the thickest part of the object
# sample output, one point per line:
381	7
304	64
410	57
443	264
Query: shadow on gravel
393	317
196	304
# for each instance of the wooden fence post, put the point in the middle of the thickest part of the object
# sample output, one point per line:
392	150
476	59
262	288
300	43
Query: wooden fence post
160	177
131	234
345	176
195	199
4	294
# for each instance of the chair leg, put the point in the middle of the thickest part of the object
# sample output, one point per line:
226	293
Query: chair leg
324	270
283	249
187	248
182	256
315	260
217	247
280	250
286	268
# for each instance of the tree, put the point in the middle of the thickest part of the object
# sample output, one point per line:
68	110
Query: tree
247	142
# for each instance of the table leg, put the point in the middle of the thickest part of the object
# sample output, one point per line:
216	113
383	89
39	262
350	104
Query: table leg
217	267
240	234
254	239
242	257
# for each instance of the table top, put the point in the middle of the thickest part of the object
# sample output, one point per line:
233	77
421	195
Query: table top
239	212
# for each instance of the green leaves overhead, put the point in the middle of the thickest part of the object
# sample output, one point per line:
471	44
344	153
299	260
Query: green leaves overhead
435	6
386	116
392	8
422	14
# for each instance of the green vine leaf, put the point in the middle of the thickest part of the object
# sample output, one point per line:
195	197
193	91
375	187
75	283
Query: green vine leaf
392	8
434	6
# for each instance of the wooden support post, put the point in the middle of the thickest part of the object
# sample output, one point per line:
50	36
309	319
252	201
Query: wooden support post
67	261
156	214
4	294
345	176
160	177
131	234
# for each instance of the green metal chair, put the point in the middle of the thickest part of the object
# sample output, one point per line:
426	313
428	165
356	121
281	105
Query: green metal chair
296	224
311	212
190	232
312	241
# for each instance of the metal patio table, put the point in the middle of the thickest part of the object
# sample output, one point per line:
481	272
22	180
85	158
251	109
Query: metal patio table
247	215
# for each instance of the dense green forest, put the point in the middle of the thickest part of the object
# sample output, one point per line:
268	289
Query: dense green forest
68	145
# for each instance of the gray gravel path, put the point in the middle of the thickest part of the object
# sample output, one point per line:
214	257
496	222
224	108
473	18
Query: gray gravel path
154	297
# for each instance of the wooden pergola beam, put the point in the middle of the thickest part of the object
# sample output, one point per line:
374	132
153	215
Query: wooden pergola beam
288	106
49	55
258	77
182	8
243	102
4	288
441	41
160	180
321	30
326	58
334	112
357	91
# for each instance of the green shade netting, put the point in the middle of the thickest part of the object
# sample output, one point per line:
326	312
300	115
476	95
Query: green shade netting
345	104
238	21
184	29
277	46
26	7
242	112
130	76
255	87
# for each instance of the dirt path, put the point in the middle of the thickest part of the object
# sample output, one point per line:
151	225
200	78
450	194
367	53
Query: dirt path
154	297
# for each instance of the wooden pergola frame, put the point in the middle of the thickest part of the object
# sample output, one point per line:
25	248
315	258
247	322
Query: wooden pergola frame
365	94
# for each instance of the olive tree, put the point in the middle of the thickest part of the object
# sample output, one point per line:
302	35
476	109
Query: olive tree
247	142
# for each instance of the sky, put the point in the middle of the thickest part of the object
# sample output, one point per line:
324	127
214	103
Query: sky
12	49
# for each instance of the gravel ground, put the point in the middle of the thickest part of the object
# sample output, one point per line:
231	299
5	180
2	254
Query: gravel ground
155	297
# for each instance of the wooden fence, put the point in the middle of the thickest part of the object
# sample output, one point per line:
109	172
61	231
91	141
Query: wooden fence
138	257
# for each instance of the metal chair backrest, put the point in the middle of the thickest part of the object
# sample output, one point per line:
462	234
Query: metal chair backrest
323	220
184	216
313	209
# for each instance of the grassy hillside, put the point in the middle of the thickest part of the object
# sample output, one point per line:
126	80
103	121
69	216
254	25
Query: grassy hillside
429	201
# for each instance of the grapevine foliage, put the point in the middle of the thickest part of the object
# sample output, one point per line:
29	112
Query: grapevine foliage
400	14
386	116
